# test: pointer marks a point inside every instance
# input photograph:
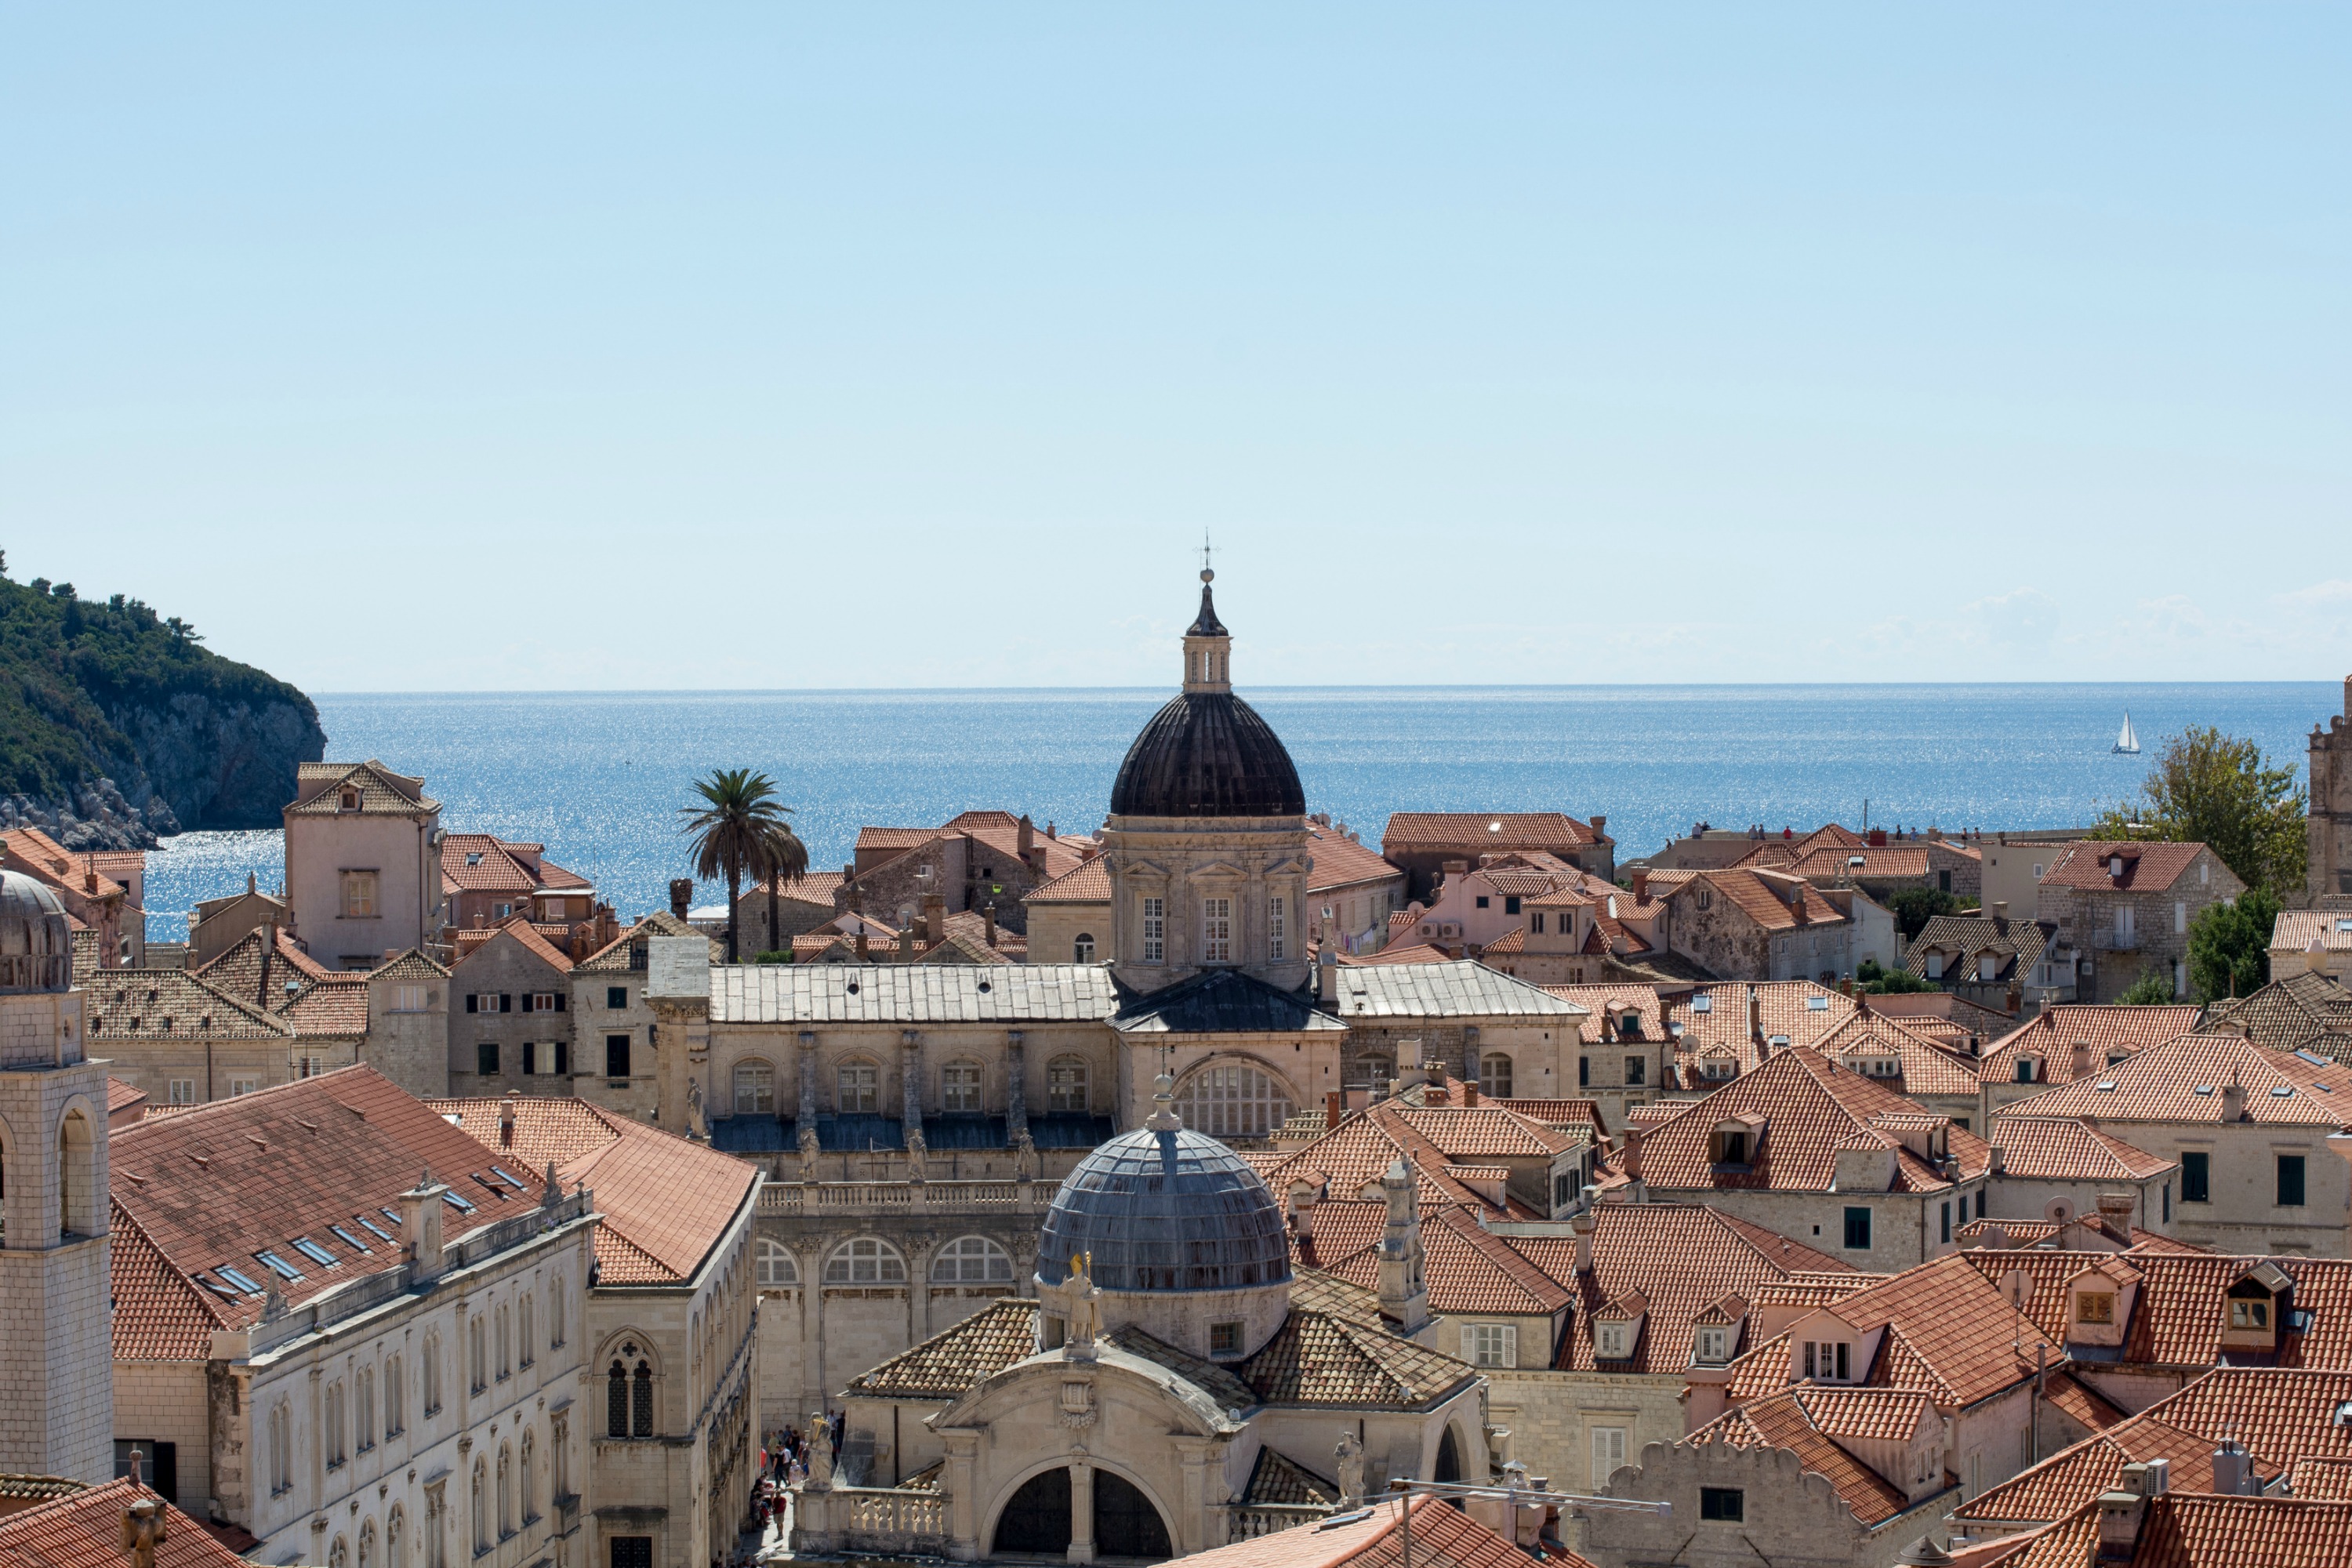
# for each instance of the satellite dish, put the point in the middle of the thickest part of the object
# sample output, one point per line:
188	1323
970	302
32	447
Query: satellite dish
2017	1289
2058	1211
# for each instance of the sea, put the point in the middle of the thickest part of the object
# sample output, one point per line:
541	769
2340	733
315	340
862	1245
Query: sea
600	778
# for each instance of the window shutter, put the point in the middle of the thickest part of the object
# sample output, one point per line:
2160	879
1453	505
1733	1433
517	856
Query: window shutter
559	1001
1510	1345
506	1000
1470	1345
469	1001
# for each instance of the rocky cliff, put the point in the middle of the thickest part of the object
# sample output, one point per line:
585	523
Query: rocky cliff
116	726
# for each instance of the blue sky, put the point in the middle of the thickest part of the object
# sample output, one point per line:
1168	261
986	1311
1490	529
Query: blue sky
568	347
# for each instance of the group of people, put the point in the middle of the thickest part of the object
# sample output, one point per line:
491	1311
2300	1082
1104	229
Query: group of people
784	1459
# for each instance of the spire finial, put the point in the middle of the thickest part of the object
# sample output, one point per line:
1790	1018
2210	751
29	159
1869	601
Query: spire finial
1207	575
1163	1117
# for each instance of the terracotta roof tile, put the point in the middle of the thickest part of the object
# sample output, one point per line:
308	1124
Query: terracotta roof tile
2294	1012
1276	1480
1782	1421
1472	831
83	1528
318	789
1443	1537
949	1362
2182	1081
172	1005
1316	1358
1088	883
1926	1066
1467	1268
2296	930
2184	1530
2148	867
1342	862
2106	1031
2066	1148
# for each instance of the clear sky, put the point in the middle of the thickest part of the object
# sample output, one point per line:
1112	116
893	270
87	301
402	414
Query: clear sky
509	347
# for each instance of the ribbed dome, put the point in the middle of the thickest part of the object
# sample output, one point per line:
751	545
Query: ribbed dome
36	942
1207	754
1172	1210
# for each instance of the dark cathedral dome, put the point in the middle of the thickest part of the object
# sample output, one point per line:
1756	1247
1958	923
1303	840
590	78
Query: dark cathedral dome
1207	754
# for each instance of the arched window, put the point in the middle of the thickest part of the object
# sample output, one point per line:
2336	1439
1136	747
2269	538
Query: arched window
481	1507
529	1477
281	1449
1082	948
367	1544
555	1315
505	1491
641	1401
1232	1102
857	1088
432	1375
959	1089
395	1540
363	1428
506	1342
526	1347
971	1260
755	1088
629	1394
776	1264
339	1555
1066	1085
866	1260
395	1406
477	1339
78	1177
1494	1075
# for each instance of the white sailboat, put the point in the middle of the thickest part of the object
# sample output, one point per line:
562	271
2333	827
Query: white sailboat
2128	744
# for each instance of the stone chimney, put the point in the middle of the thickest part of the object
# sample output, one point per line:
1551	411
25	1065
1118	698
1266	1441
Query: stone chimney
1334	1107
1637	1190
988	915
1642	885
420	1227
1599	825
1470	1094
507	1118
1027	839
935	918
2233	1470
2314	957
2234	1101
1404	1294
2001	909
906	942
1326	976
2116	1209
1584	1222
681	896
2079	1057
1303	1195
1755	1013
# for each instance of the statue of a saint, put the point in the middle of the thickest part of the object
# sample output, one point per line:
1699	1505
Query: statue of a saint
1349	1459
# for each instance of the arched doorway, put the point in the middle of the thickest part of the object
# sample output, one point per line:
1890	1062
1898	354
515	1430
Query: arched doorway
1126	1524
1036	1522
1449	1457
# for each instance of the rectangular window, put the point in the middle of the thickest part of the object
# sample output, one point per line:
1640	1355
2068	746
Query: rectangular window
530	1058
1216	931
616	997
1225	1338
1274	926
1934	963
2095	1306
485	1059
1637	1072
309	1067
2123	925
2290	1181
616	1055
959	1087
183	1091
1482	900
2196	1176
408	998
1155	931
1510	903
857	1088
1857	1228
1714	1346
2167	1203
237	1085
1727	1505
1584	1072
1608	1454
1535	922
2179	917
541	1002
359	895
1948	1219
1490	1344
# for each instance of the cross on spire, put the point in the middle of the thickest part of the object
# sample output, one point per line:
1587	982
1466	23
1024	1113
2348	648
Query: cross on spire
1205	572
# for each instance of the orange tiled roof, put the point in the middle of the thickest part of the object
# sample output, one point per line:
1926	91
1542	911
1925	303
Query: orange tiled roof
951	1362
168	1004
2177	1319
808	888
1088	883
1753	896
1928	1066
1342	862
83	1528
1784	1421
1443	1537
2147	867
1474	831
318	788
667	1201
1684	1259
1356	1153
1813	1108
224	1181
2182	1081
2113	1029
1467	1268
1317	1358
2184	1530
1421	952
30	849
2067	1149
1798	1011
1832	863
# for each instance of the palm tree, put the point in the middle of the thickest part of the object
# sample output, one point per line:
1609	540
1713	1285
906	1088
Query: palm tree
730	830
783	859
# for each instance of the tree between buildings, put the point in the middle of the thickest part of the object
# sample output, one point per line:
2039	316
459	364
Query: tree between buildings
735	832
2215	789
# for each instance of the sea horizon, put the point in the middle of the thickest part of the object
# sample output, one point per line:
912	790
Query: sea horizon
597	776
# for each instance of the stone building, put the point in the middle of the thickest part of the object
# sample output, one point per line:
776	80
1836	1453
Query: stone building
1744	924
980	861
2071	1041
84	889
1172	1395
510	1015
2328	825
355	1362
1419	843
54	1390
487	879
1986	957
612	1026
671	1330
363	863
2123	910
215	925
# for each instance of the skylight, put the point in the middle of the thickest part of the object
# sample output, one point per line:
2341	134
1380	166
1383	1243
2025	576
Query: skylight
1702	1004
510	1177
391	1213
2202	1089
2282	1092
238	1279
1817	1003
313	1251
278	1266
454	1202
348	1240
216	1287
2105	1086
373	1230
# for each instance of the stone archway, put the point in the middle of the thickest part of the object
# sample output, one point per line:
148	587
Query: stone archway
1126	1524
1036	1520
1449	1457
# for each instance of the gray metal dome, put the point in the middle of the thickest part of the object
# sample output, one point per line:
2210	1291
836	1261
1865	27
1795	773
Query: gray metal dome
1166	1209
36	944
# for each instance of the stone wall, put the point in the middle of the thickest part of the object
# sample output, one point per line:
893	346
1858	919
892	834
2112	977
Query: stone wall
503	967
1551	1416
2161	922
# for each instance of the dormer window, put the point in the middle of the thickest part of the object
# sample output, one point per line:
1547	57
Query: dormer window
2029	1070
350	800
1702	1004
2095	1306
1610	1341
1933	965
2250	1315
1828	1361
2116	866
1714	1346
1731	1147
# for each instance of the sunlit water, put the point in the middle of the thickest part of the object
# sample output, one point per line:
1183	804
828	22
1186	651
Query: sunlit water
599	778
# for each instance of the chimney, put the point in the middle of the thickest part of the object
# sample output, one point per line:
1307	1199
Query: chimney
2120	1512
865	945
1470	1094
507	1118
2001	909
420	1227
2234	1101
1641	887
1632	1163
2016	998
1326	976
681	896
906	942
1599	825
268	935
1755	1013
1876	838
1302	1209
988	914
935	918
1404	1293
2233	1470
2116	1209
249	885
2314	957
1028	838
1583	1222
1332	1110
2079	1055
